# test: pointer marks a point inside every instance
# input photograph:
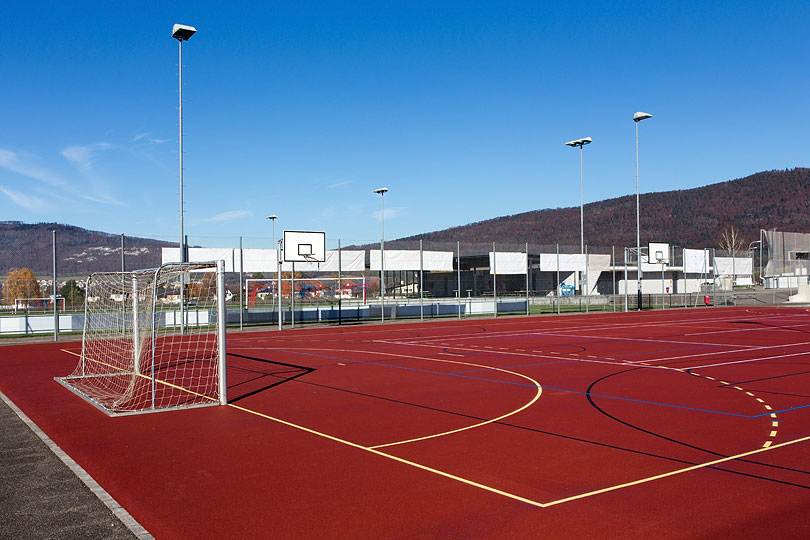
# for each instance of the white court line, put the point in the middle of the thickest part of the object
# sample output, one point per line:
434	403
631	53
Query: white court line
716	353
559	332
636	363
496	335
703	366
530	355
746	330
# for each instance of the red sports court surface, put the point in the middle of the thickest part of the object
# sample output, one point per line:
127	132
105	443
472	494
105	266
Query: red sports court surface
673	424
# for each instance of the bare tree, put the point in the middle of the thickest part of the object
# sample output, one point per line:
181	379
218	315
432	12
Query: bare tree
731	240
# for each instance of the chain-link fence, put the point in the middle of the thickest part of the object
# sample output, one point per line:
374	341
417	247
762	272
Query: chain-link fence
420	279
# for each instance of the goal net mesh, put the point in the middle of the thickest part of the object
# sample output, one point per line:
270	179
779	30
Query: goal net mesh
142	350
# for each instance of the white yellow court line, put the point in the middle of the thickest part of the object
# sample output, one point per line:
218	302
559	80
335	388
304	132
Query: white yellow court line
676	472
395	458
147	377
748	329
493	420
569	328
774	424
512	495
729	363
465	428
503	493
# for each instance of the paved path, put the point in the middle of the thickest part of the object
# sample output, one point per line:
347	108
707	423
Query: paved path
41	497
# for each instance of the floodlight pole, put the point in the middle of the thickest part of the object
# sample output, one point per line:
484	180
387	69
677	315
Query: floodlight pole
579	143
180	153
638	117
574	144
181	33
273	219
381	192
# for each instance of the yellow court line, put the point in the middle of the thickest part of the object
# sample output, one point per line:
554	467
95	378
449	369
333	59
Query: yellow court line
485	422
148	378
512	495
767	447
673	473
434	435
395	458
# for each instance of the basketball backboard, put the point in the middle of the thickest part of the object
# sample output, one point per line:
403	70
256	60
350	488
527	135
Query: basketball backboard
304	246
659	253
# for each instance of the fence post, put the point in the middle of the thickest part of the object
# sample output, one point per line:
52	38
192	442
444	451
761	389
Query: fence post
528	271
587	287
421	282
53	290
494	283
613	275
558	292
241	298
458	251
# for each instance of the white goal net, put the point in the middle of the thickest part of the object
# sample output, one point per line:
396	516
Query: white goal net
153	339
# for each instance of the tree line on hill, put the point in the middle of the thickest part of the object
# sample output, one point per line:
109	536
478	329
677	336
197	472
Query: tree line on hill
79	251
693	218
688	218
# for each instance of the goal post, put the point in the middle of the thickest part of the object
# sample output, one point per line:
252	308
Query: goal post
142	351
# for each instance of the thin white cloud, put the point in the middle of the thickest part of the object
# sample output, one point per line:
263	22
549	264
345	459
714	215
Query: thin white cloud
339	184
147	135
84	156
230	215
11	161
25	165
28	202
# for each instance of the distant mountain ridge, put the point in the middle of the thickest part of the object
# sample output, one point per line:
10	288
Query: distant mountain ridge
79	251
688	218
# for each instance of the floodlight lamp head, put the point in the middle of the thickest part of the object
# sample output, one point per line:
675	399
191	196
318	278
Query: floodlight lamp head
579	142
272	216
182	32
381	191
639	116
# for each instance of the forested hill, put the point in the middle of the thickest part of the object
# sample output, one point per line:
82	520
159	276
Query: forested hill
79	251
687	218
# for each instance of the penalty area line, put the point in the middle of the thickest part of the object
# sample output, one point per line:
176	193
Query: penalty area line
676	472
395	458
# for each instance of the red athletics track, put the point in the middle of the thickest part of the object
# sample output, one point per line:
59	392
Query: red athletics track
678	424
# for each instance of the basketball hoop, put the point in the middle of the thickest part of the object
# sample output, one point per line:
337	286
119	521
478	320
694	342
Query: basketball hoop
304	246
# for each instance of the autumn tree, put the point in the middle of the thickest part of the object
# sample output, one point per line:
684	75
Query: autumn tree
731	240
20	283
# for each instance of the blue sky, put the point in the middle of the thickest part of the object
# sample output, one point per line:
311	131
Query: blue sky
460	108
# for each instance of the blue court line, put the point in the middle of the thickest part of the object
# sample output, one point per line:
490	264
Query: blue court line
460	375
